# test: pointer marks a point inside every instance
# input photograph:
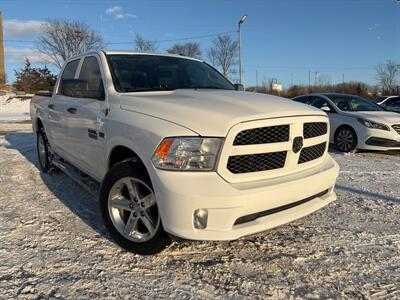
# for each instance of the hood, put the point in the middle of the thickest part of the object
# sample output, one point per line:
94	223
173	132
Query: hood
212	112
385	117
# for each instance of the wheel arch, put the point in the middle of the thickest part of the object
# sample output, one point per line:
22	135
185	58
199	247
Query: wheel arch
121	153
345	126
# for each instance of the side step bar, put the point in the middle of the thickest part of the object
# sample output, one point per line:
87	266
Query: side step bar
85	181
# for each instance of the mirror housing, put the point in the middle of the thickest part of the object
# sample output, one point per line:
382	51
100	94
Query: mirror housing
78	88
326	109
239	87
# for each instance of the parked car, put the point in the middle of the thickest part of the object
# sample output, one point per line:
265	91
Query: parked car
357	123
179	152
391	103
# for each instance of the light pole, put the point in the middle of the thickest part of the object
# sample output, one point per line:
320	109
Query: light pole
241	21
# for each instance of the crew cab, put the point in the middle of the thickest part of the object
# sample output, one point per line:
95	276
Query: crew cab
179	151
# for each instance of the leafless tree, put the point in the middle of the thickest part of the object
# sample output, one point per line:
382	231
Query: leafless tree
387	75
223	54
144	45
61	40
191	49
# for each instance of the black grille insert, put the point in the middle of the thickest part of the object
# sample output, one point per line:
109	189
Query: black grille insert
311	153
248	163
314	129
275	210
262	135
397	128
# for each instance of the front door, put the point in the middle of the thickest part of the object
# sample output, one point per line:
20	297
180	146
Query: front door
86	124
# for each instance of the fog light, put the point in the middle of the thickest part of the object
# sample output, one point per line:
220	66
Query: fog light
200	218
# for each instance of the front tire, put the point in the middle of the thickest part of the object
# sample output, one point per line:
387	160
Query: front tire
43	151
129	209
346	139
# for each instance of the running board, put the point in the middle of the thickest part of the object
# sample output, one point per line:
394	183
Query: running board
85	181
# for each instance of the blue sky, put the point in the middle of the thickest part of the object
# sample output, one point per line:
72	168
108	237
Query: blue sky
281	39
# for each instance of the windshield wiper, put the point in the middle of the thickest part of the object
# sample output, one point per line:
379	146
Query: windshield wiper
149	89
208	87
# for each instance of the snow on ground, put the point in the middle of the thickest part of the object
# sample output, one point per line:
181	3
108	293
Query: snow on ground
53	243
13	108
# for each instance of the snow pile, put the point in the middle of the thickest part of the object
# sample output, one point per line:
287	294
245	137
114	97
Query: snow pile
13	108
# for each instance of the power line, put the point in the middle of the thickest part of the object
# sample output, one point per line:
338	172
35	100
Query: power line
132	41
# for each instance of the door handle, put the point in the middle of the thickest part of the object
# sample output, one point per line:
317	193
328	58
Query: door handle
72	110
51	106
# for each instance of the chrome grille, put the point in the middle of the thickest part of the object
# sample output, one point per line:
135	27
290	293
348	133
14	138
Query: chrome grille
262	135
239	164
311	153
314	129
397	128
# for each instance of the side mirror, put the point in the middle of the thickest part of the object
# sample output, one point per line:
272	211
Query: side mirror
326	109
239	87
78	88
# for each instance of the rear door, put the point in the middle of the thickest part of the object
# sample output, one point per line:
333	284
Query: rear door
58	112
86	125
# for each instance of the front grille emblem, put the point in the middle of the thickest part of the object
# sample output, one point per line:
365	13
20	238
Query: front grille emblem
297	144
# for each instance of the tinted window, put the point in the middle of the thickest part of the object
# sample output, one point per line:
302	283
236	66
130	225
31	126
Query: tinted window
354	103
134	73
303	99
91	74
319	102
395	102
68	73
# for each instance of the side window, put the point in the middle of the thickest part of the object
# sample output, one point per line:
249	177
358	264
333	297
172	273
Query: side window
303	99
91	75
68	73
394	102
319	102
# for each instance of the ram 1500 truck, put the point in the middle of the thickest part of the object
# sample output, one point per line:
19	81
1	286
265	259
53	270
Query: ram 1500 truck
179	151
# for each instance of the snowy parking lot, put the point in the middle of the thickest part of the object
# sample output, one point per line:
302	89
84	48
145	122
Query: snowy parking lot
53	243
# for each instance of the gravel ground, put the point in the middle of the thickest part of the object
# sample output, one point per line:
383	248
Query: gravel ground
53	243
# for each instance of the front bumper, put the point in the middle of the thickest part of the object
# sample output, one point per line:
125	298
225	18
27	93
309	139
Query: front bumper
179	194
382	140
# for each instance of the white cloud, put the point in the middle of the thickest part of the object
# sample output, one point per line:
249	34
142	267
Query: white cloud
118	13
22	28
113	10
18	56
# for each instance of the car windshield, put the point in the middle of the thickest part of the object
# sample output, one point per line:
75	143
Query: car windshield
139	73
354	103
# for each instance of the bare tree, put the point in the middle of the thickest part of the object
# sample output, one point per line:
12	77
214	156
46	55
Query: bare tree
387	75
191	49
143	45
223	54
61	40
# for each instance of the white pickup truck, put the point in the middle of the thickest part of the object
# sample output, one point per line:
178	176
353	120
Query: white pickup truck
179	151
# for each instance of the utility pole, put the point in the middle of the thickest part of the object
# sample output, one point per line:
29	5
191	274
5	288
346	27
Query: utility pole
2	69
241	21
343	78
309	78
256	80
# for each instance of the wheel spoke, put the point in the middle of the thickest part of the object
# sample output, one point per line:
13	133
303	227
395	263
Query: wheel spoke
149	201
132	189
121	203
148	222
131	224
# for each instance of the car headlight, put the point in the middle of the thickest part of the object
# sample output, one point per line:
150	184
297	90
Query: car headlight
187	154
373	125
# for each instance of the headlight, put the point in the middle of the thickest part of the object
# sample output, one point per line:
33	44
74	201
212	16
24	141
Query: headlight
374	125
187	154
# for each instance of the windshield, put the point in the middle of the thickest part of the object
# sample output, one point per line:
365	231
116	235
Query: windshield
354	103
138	73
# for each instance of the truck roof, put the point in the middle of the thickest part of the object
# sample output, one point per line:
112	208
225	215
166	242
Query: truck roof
117	52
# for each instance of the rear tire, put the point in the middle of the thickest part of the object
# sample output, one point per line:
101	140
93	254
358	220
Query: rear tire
129	210
346	139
